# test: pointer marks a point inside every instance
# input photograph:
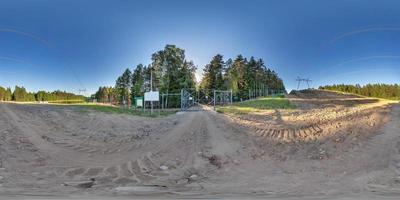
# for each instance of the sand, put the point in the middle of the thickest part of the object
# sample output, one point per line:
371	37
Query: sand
338	147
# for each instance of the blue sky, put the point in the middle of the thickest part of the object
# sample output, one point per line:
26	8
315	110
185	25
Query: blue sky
71	45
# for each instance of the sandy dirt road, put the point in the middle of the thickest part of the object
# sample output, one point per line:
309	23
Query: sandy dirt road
63	152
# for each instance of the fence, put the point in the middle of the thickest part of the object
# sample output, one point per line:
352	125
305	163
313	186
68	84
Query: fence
195	99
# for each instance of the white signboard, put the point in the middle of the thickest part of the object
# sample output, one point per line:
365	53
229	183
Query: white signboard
139	102
152	96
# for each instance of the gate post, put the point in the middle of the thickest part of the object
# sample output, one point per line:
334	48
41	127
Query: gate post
181	99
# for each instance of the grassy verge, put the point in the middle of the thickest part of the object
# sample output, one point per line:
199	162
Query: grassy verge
256	105
119	110
67	102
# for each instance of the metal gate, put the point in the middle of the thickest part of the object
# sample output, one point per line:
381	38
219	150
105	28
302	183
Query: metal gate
188	99
196	100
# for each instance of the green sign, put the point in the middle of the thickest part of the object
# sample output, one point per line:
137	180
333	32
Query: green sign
139	102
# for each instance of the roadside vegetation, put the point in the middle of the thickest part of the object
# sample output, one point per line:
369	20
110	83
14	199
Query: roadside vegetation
19	94
67	102
246	77
171	72
385	91
120	110
256	105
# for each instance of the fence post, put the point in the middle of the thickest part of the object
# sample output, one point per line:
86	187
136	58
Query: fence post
181	99
162	101
214	99
231	96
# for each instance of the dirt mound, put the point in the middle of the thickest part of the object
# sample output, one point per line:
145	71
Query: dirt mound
319	99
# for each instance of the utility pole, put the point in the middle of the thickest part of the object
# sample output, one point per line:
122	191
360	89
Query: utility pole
299	80
308	82
151	79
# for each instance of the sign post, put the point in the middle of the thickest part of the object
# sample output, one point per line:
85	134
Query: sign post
139	102
151	96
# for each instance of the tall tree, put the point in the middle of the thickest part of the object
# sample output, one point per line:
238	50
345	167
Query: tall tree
137	81
40	96
165	66
8	95
245	77
387	91
105	95
213	77
2	94
20	94
171	71
123	86
187	77
237	76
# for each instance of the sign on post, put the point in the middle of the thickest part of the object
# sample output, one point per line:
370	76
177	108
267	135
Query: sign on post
138	102
152	96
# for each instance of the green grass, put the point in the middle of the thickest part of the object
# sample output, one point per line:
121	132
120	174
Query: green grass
256	105
118	110
67	102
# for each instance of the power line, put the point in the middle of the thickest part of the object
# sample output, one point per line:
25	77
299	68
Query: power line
82	90
299	80
48	45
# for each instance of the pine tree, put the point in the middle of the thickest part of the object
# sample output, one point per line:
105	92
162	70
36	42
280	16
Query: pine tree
123	86
8	95
2	94
20	94
40	95
213	77
137	81
387	91
245	78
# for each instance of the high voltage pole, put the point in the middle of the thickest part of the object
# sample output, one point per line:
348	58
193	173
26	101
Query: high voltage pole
299	80
82	90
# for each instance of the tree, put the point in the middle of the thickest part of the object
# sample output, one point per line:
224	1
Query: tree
105	95
20	94
41	95
213	74
137	81
8	95
123	86
386	91
244	77
171	72
236	76
187	79
30	96
3	92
